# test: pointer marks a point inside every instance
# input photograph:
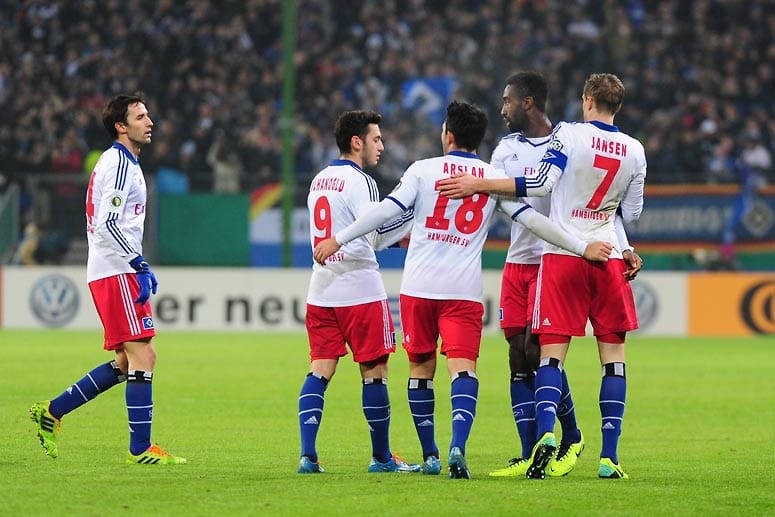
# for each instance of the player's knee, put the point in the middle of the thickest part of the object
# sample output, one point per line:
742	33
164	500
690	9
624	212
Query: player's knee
420	358
613	338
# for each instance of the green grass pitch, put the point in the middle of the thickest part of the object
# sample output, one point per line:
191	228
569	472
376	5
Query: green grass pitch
698	433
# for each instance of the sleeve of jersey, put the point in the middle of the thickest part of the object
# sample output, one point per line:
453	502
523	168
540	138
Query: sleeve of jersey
550	168
370	221
393	231
111	209
632	201
621	234
543	227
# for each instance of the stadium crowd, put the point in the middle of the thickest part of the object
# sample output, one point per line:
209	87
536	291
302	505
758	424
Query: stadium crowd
699	76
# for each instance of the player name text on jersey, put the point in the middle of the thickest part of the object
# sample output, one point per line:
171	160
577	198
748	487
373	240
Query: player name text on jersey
457	168
333	184
608	146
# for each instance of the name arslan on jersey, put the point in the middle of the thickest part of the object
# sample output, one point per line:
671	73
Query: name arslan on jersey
457	168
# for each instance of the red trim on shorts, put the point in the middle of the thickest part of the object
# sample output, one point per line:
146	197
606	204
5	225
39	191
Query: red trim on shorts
553	339
510	332
614	338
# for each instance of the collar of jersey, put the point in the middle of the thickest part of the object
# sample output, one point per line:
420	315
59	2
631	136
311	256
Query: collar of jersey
463	154
522	138
120	147
346	162
603	126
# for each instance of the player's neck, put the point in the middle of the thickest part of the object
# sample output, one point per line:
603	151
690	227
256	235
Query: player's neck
131	146
539	127
353	158
596	116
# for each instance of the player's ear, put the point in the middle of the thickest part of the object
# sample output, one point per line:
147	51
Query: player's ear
356	143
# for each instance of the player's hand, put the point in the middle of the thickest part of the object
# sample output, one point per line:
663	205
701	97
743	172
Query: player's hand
598	251
325	249
145	279
457	187
634	264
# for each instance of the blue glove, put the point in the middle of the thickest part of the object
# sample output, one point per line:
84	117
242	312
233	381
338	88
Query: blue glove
145	278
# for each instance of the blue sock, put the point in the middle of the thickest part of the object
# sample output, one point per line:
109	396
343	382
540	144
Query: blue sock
548	387
523	408
463	393
613	389
422	404
376	409
566	414
311	401
102	378
139	407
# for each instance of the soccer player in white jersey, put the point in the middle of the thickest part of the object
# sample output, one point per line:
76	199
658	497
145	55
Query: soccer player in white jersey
347	303
441	289
121	282
592	170
518	154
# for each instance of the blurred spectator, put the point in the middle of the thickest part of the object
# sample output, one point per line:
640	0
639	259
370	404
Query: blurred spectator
693	69
226	164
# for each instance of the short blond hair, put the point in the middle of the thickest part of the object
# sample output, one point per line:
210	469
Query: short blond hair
607	90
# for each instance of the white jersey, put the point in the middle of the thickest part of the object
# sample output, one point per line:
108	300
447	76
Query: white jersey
444	259
338	195
591	169
115	213
518	156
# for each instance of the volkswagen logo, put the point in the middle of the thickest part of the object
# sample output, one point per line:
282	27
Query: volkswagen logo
646	303
54	300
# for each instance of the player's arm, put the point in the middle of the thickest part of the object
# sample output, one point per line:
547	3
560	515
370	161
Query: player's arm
632	259
464	185
390	233
540	225
389	208
632	201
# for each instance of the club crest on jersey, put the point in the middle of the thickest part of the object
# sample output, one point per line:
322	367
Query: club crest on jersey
116	201
555	145
148	323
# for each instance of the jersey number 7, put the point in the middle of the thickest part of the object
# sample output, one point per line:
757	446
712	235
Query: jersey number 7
611	167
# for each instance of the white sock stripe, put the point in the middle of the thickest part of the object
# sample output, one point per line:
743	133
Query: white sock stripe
81	392
612	402
546	403
92	381
462	411
612	418
519	421
464	396
376	407
313	410
139	407
522	404
421	400
311	395
378	419
421	415
140	422
548	388
565	412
